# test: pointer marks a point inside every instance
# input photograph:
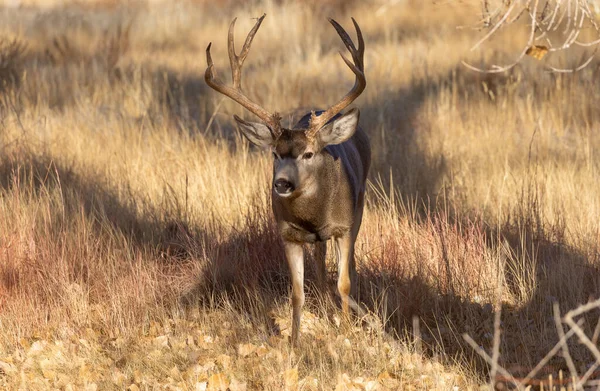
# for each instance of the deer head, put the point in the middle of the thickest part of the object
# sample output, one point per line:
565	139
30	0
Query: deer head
298	152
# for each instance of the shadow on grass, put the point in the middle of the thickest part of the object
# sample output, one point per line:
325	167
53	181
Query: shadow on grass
432	296
248	265
398	294
246	268
22	171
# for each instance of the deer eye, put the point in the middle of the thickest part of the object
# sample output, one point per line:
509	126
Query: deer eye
307	155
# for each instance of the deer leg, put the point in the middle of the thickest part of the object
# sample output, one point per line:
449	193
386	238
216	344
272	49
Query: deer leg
347	278
295	258
344	246
355	228
320	258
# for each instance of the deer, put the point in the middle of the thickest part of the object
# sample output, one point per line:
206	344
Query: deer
320	168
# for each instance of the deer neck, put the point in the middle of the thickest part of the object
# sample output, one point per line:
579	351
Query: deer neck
313	214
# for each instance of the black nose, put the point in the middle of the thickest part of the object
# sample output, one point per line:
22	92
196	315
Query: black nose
283	187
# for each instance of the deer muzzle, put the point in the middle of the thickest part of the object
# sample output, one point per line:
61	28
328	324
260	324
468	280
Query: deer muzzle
283	187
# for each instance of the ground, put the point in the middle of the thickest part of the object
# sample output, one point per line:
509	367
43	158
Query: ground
137	245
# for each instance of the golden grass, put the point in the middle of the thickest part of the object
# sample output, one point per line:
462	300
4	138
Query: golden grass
136	236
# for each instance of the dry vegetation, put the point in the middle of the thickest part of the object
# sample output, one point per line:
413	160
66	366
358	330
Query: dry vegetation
137	247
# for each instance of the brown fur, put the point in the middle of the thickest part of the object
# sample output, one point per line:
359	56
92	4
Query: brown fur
327	202
331	211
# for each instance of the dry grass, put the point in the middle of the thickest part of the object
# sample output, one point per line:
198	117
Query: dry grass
137	240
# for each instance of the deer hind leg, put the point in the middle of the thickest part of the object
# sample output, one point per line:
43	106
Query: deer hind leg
344	245
355	228
347	276
320	255
295	258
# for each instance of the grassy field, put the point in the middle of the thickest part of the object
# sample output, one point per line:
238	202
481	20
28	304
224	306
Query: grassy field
137	245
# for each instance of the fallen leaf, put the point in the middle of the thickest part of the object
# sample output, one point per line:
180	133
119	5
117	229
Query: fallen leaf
372	385
161	341
347	343
331	350
388	380
24	343
7	368
49	374
261	350
290	378
218	382
345	383
309	384
236	385
246	349
537	51
36	348
118	377
153	329
274	341
137	377
175	372
224	360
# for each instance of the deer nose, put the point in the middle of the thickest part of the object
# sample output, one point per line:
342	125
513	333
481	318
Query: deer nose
283	187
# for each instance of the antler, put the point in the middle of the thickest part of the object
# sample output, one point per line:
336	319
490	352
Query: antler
235	92
317	122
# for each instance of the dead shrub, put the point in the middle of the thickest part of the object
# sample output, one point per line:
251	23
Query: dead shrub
12	53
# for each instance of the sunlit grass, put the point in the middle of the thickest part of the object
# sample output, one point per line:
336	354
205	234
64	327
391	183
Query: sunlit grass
131	209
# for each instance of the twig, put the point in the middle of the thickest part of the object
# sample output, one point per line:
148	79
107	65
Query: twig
214	114
565	348
582	336
496	27
580	67
490	361
549	355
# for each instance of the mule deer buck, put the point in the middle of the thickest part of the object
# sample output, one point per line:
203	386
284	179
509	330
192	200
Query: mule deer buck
320	168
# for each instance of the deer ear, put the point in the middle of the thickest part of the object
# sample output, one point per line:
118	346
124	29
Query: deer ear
257	133
340	129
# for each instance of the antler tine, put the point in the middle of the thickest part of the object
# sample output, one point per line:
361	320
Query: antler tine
346	39
249	38
357	67
235	91
238	61
234	63
361	43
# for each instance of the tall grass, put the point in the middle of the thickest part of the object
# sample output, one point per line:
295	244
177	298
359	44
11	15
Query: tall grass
128	199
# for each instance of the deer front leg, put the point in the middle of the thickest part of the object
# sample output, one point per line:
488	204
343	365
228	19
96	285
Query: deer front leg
295	259
344	246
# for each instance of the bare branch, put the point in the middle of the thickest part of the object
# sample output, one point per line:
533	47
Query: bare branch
495	27
490	361
583	337
577	69
559	345
565	348
547	19
575	329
